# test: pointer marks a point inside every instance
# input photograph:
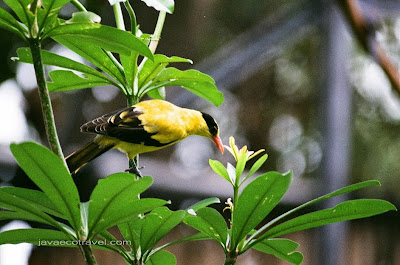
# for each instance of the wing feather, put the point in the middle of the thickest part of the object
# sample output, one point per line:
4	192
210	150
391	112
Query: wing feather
124	125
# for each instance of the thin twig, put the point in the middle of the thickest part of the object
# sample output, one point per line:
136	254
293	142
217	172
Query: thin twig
364	31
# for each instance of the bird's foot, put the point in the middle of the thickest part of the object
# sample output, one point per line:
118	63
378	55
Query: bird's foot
135	170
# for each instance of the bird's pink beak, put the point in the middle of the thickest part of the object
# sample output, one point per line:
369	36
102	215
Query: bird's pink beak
217	141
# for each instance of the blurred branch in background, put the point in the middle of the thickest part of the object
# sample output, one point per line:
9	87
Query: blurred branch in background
363	27
242	57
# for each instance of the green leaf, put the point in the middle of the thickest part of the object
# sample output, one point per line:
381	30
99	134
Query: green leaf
161	5
10	215
162	258
50	58
21	206
256	166
84	17
348	210
93	54
131	232
231	172
34	236
130	70
157	93
203	203
20	7
8	22
192	80
151	69
338	192
195	237
64	80
219	168
85	218
49	173
115	200
54	4
116	213
281	248
240	165
256	201
157	224
36	198
108	38
210	222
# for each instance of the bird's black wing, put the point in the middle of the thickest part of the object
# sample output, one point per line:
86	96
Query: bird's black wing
124	125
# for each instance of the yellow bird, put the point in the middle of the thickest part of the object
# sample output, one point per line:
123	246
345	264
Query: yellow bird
145	127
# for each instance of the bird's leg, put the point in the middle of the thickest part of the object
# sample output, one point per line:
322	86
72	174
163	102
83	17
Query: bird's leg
133	169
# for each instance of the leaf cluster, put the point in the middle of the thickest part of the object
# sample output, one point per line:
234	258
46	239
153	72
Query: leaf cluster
259	198
121	58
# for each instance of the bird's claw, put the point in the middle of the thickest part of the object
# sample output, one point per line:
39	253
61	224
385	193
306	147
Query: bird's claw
135	170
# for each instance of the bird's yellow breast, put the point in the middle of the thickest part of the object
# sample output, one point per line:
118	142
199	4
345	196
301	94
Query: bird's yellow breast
170	123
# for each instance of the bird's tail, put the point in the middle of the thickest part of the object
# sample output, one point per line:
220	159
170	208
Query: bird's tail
90	151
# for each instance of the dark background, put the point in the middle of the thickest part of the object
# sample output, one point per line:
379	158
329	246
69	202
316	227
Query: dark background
296	83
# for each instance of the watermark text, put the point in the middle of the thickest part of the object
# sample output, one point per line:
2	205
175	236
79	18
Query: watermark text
71	243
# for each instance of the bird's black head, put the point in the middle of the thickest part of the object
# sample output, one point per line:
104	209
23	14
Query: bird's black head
211	124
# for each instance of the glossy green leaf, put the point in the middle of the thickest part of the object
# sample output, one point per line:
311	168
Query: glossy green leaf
64	80
108	38
157	93
116	213
115	200
231	172
129	63
8	22
93	54
162	258
151	69
240	165
47	15
256	201
35	198
49	173
281	248
84	17
10	215
20	7
54	4
348	210
37	236
219	168
157	224
210	222
338	192
194	237
85	218
347	189
131	232
204	203
161	5
256	166
192	80
21	206
49	58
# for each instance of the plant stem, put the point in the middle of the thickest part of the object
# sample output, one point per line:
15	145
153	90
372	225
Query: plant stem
132	16
119	18
87	253
45	101
78	5
155	38
231	257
